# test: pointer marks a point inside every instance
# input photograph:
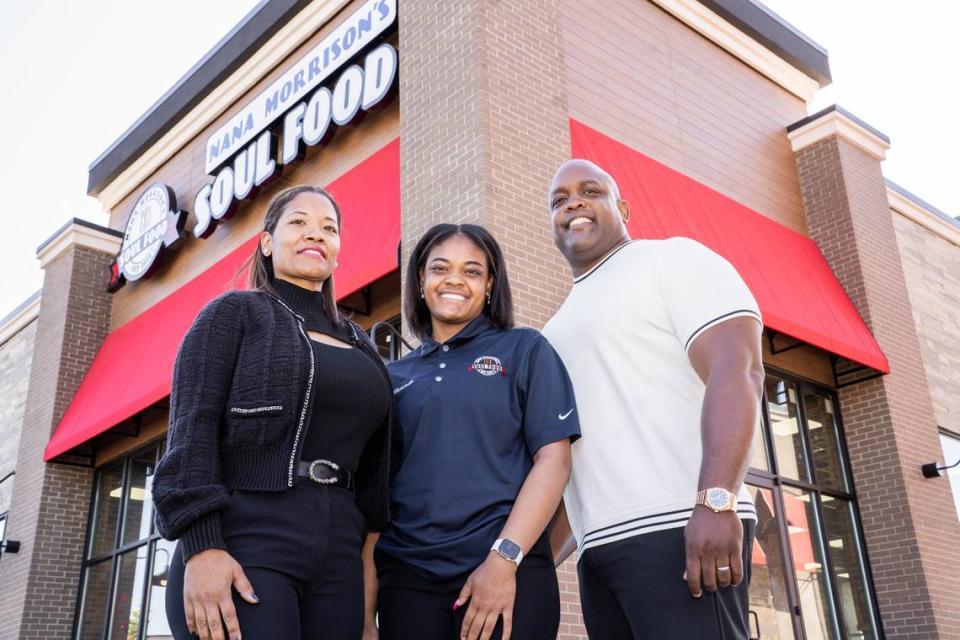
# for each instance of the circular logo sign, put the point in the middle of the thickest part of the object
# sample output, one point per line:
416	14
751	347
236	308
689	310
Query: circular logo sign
154	223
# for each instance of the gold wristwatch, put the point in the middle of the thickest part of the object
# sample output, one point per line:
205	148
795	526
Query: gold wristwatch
717	499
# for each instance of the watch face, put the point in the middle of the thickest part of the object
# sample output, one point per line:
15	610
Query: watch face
509	550
717	498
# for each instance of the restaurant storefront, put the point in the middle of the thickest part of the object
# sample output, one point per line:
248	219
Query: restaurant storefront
413	112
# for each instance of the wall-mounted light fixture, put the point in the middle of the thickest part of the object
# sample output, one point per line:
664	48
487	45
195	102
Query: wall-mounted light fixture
9	546
933	469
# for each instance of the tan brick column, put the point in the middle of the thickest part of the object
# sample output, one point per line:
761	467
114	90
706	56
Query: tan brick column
481	144
48	512
911	531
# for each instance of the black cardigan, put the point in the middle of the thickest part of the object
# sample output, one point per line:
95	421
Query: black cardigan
241	397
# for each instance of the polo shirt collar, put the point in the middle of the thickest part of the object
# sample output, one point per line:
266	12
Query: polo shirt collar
479	325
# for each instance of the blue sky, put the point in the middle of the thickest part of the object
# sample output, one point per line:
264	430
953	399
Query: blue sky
76	75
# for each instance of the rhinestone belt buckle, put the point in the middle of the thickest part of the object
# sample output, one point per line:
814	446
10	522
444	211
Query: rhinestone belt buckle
331	465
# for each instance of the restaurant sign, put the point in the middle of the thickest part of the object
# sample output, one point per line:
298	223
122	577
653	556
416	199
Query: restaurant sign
154	224
300	109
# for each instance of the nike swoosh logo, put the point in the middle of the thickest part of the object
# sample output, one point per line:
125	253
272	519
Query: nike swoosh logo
564	416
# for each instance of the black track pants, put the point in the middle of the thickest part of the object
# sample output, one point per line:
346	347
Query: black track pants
633	589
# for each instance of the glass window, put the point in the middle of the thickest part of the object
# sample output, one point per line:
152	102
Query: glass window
96	591
387	342
138	509
847	567
951	453
784	419
758	453
770	615
121	542
805	509
106	513
824	439
128	596
808	563
156	623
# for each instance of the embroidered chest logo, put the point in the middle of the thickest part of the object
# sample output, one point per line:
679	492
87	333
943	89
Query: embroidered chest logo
402	387
488	366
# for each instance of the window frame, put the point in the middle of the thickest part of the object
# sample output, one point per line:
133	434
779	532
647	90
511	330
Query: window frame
113	556
3	527
775	482
948	462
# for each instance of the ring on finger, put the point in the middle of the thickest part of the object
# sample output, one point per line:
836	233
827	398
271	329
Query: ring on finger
723	568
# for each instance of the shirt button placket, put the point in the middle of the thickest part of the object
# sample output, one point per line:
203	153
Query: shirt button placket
443	365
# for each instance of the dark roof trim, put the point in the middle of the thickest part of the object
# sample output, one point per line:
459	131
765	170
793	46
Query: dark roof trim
946	217
776	34
819	114
82	223
226	56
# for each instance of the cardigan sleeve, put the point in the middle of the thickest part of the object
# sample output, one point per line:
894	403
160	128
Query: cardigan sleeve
187	489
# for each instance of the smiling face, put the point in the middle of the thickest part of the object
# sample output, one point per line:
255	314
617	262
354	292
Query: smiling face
587	216
455	280
306	241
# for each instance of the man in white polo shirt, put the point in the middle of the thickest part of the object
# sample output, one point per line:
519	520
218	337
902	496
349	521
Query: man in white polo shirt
661	339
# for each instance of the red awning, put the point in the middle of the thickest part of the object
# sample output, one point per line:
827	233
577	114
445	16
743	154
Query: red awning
134	366
797	292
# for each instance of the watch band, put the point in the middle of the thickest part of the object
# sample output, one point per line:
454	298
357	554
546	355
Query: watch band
508	550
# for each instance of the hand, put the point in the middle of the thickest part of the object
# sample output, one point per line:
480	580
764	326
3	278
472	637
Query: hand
207	597
370	631
491	590
713	540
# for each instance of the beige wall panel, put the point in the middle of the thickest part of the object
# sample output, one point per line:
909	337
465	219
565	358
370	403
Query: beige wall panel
639	75
932	269
805	362
16	355
185	174
112	446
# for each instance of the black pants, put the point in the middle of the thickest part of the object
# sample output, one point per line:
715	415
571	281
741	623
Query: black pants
633	589
410	607
300	550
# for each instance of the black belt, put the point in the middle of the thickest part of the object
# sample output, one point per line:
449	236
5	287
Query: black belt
327	473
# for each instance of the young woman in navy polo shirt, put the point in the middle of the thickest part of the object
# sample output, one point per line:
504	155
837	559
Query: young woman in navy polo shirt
487	415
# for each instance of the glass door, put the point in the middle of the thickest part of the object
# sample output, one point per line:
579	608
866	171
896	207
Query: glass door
772	609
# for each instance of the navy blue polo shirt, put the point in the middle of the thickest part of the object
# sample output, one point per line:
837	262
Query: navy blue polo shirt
473	412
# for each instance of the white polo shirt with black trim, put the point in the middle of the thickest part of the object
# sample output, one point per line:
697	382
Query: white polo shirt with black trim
623	334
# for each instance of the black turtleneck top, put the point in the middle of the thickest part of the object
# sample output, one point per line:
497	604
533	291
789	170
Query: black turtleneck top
351	396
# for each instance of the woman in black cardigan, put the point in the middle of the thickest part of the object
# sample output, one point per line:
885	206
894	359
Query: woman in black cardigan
279	446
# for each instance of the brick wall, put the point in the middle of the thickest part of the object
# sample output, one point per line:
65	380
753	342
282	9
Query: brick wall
931	266
15	356
482	146
909	526
38	586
